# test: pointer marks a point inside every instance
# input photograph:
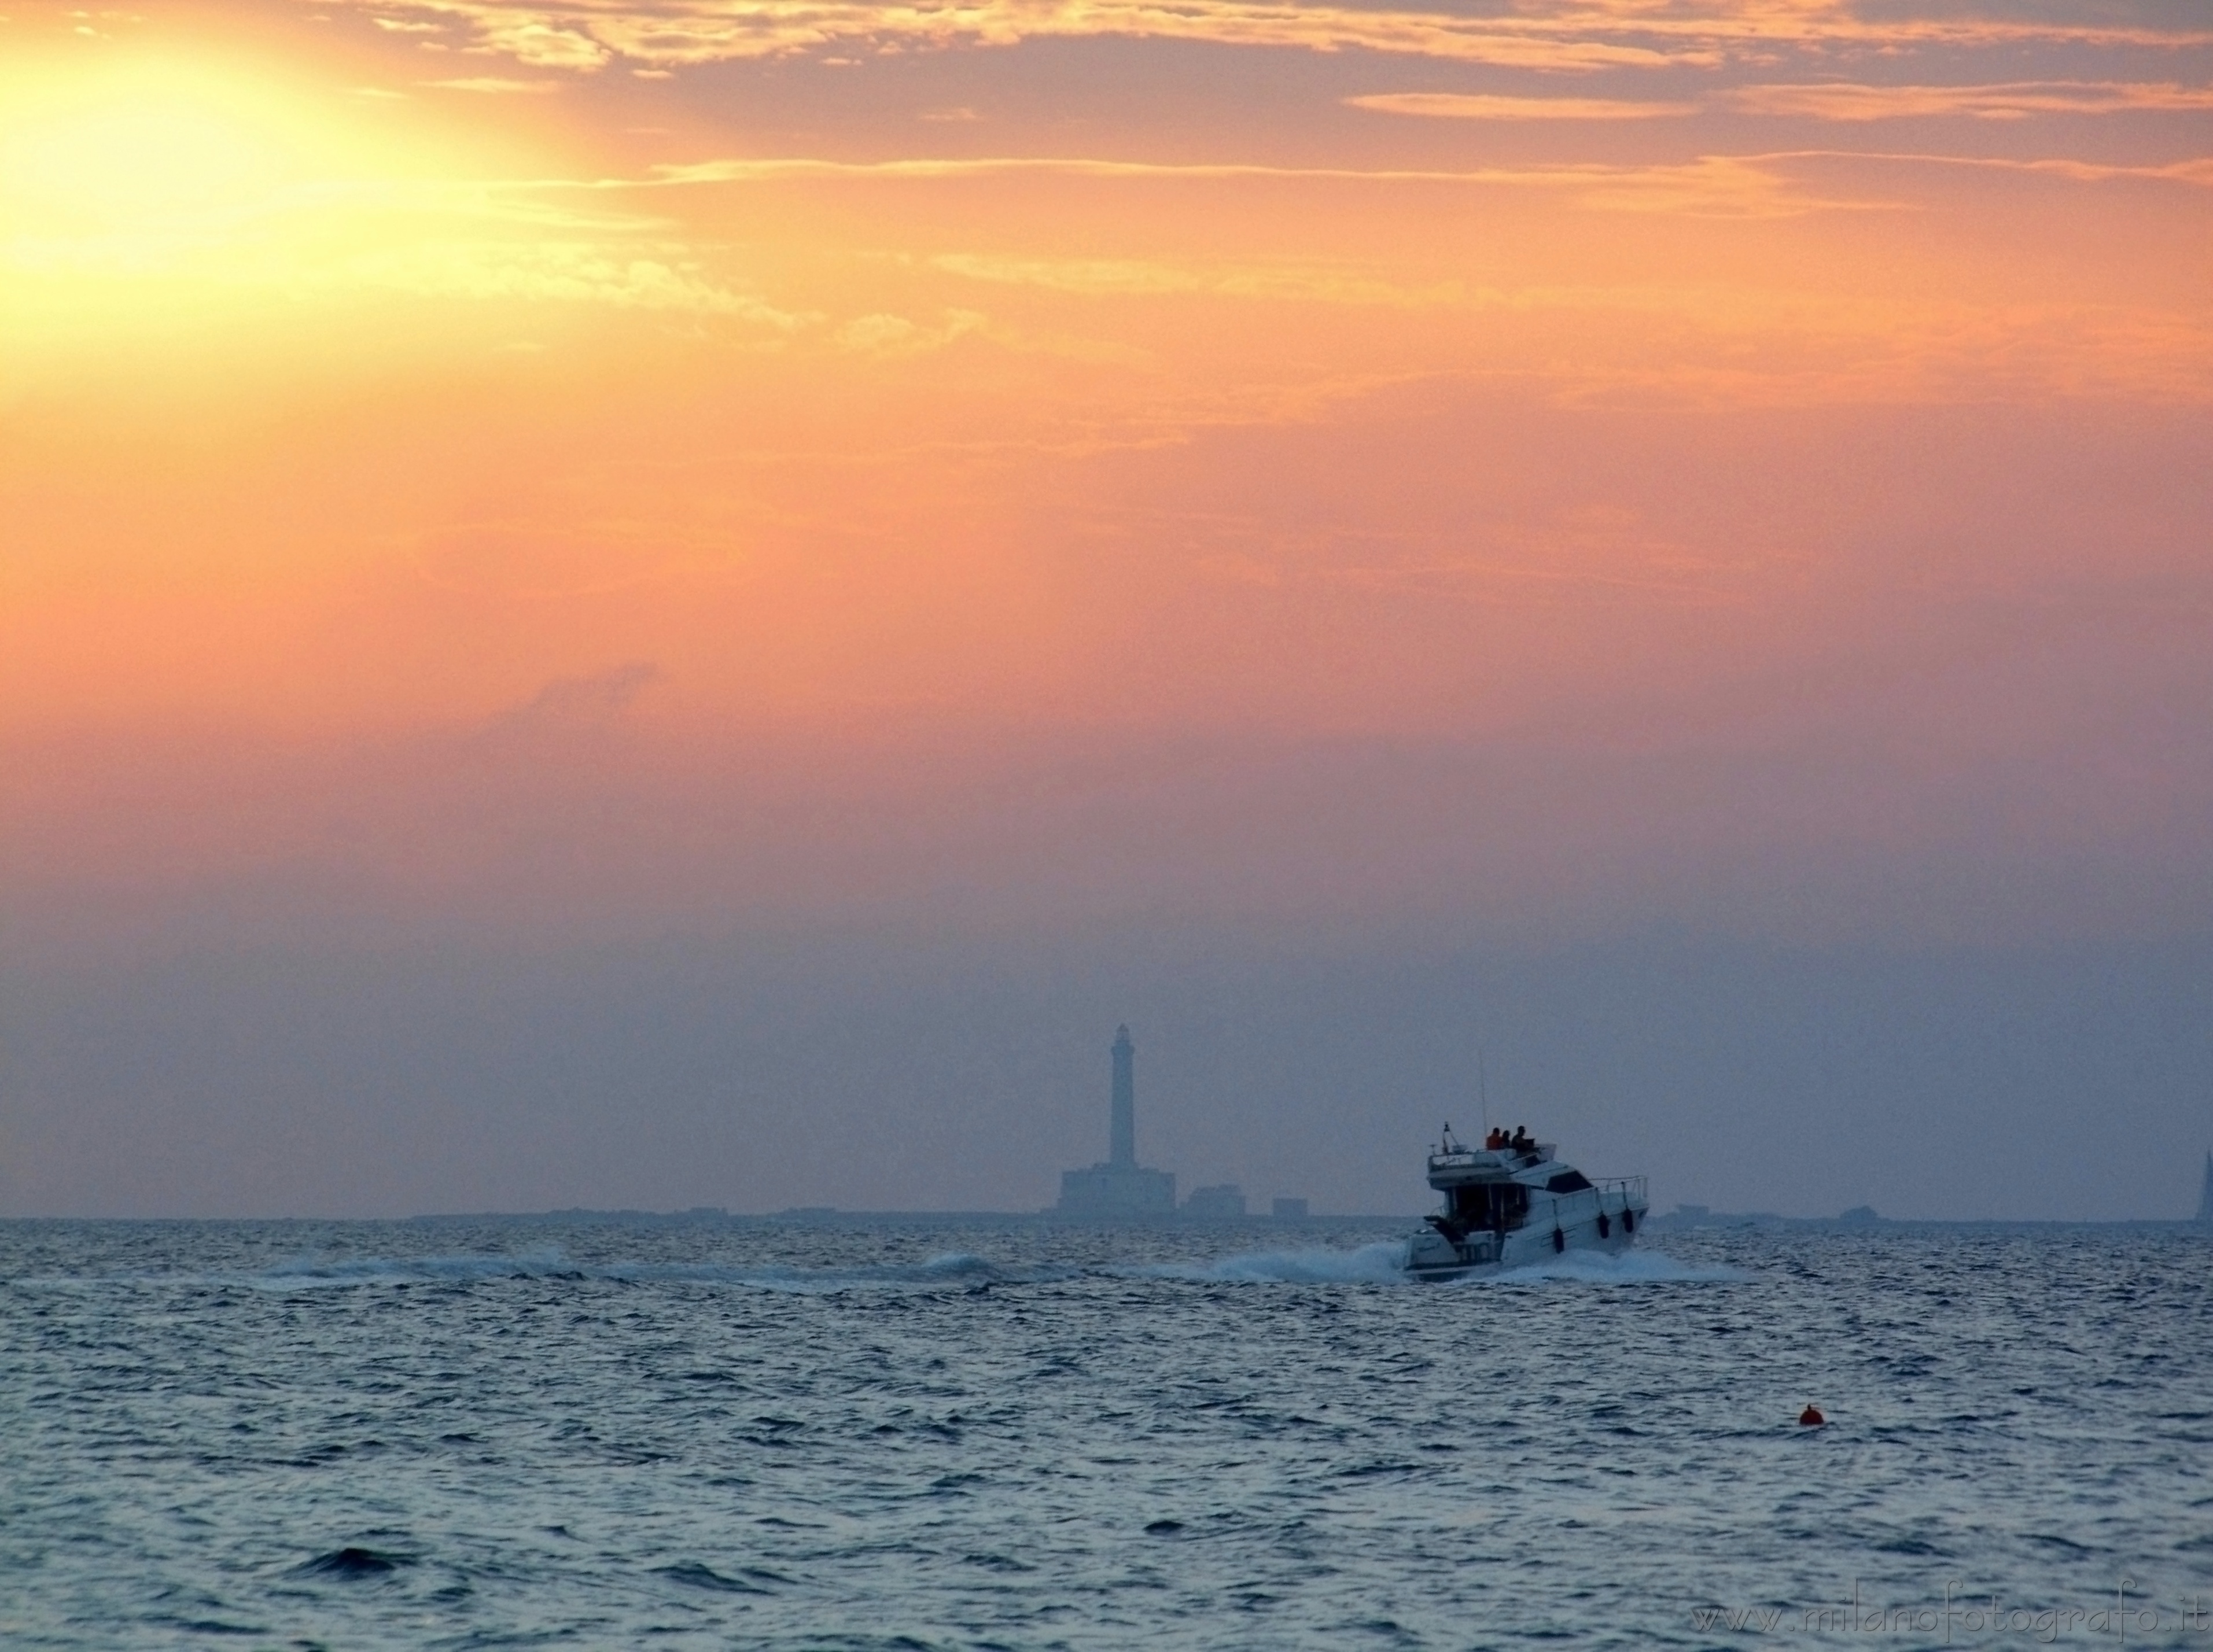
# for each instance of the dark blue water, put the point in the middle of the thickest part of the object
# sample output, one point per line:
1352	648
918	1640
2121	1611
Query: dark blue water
456	1434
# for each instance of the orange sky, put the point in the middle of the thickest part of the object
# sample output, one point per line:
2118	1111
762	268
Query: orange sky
601	599
769	421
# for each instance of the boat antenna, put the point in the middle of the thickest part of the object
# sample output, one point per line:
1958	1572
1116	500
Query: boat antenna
1482	1089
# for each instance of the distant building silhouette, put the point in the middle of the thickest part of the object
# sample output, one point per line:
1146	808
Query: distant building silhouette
1222	1202
1120	1187
2205	1195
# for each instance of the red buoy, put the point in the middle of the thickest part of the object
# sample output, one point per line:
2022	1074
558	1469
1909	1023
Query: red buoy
1811	1419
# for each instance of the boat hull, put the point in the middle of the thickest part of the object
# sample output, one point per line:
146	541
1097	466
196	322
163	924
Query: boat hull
1577	1224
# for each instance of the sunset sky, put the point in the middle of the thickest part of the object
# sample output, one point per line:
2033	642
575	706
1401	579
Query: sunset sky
597	598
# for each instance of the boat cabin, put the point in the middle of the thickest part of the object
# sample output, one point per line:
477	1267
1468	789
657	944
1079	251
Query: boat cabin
1515	1199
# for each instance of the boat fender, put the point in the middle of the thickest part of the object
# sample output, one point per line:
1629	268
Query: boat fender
1559	1239
1604	1229
1628	1220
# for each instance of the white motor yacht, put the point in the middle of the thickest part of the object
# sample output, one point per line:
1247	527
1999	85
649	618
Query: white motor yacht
1507	1207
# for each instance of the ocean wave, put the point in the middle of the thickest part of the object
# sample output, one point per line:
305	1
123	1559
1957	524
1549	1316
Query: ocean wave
1382	1264
935	1455
1631	1267
1385	1264
956	1268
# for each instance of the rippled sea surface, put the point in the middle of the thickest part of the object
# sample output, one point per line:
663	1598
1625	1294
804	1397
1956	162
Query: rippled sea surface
466	1433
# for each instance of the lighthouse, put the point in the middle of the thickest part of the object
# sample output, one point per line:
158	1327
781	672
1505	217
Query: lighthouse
1122	1143
1119	1186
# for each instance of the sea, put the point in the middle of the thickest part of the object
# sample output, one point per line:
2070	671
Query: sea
872	1434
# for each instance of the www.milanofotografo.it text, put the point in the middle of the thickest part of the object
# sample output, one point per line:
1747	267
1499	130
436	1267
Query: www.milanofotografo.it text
1960	1617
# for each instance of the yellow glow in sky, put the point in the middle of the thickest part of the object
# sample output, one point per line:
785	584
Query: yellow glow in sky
375	372
148	152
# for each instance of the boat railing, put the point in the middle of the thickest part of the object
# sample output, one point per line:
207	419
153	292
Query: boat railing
1487	1158
1625	1191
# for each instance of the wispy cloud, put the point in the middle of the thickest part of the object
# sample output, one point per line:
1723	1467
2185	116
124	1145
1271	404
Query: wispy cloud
546	272
2012	100
1563	34
2195	170
1830	101
528	240
1457	105
1769	184
496	85
1304	282
575	702
1717	185
884	334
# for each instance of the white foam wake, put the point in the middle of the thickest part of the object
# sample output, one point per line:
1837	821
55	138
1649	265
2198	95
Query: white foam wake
1382	1264
1385	1264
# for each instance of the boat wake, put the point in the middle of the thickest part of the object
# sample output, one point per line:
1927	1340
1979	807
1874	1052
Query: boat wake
1613	1268
1380	1264
1385	1264
956	1271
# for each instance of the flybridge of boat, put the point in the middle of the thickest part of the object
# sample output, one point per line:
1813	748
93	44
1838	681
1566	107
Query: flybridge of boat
1453	1166
1511	1202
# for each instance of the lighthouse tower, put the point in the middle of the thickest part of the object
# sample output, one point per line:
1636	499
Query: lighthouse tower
1119	1186
1122	1148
